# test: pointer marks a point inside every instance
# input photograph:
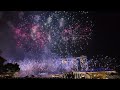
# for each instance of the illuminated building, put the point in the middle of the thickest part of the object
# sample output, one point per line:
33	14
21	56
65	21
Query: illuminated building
83	63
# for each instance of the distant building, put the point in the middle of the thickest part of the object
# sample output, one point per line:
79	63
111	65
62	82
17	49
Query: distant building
82	63
92	75
75	64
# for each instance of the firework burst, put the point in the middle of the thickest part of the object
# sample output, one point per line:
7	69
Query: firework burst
52	33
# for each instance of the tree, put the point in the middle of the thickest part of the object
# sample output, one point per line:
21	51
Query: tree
8	68
2	60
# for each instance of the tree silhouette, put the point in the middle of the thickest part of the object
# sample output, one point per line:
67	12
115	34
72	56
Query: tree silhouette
2	60
8	68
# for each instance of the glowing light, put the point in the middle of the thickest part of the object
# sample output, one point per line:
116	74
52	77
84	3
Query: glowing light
50	35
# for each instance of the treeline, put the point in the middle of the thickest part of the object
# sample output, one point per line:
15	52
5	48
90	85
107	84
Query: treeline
8	69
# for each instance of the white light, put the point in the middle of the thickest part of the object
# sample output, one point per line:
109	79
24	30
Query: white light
49	20
61	22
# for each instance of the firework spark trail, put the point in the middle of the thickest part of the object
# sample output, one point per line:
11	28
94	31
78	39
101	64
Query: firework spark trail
50	40
103	62
37	31
49	35
35	67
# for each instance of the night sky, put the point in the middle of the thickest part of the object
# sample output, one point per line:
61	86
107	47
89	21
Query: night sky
106	35
60	32
105	38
